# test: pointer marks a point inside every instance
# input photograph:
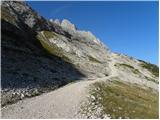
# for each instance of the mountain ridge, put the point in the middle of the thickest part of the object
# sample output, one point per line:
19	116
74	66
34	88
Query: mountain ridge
40	55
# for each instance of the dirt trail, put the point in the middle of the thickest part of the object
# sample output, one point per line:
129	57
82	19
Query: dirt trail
64	102
61	103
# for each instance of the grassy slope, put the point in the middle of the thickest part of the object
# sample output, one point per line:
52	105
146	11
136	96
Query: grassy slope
126	101
151	67
136	71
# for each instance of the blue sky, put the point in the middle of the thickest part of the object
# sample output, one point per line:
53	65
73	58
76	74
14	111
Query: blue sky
125	27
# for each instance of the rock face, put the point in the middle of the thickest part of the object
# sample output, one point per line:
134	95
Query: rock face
39	55
27	68
67	25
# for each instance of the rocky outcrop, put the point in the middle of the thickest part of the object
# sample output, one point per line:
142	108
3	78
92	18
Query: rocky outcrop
85	36
68	26
27	68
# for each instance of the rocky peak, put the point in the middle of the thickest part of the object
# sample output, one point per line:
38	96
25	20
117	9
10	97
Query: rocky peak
22	15
57	22
85	36
22	11
67	25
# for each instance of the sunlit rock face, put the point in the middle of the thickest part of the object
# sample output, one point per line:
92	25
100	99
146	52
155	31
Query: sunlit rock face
86	36
67	25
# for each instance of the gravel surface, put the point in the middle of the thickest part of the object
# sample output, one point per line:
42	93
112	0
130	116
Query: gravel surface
61	103
64	102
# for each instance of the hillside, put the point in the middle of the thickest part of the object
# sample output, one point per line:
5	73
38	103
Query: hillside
39	56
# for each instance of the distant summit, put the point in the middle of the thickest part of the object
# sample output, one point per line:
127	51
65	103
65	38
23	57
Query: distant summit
71	28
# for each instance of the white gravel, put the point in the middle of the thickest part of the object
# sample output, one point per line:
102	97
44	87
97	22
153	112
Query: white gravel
61	103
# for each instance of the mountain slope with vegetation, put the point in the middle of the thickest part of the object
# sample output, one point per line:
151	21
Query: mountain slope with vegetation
39	56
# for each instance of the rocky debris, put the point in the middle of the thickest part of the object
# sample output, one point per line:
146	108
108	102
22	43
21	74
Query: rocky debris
60	103
92	109
26	65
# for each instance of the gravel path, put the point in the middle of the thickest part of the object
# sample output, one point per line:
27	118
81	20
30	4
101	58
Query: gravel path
61	103
64	102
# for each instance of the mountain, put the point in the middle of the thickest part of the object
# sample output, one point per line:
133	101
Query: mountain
40	55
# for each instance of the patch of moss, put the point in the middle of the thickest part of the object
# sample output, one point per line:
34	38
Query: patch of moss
49	34
135	71
124	100
125	65
150	67
150	79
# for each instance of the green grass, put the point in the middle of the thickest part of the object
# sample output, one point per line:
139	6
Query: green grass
150	67
151	79
125	65
126	101
135	71
49	34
